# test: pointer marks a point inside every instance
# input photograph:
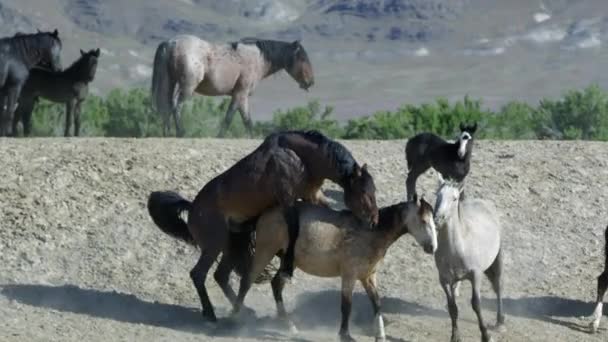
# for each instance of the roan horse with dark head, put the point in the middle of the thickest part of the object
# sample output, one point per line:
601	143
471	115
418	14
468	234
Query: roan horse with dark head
451	160
70	87
18	54
186	64
287	166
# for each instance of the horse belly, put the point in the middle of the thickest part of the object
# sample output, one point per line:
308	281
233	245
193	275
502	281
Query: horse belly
221	79
319	250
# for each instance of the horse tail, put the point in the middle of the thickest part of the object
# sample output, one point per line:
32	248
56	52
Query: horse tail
165	208
162	89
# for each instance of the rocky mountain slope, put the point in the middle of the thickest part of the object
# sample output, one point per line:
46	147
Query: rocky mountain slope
390	51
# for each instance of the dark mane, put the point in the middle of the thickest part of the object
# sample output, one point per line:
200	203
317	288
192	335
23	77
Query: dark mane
28	44
275	52
386	215
338	154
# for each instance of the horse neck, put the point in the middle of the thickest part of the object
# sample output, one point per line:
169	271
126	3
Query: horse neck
453	229
388	229
76	71
319	163
274	58
28	50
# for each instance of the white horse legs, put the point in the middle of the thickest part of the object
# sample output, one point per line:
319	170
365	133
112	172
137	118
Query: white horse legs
452	308
602	286
476	304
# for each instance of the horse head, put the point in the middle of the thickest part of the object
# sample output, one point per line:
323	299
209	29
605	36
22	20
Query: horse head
299	66
360	195
89	62
465	139
50	45
417	217
448	197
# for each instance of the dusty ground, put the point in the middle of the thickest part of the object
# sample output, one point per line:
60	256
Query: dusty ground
80	260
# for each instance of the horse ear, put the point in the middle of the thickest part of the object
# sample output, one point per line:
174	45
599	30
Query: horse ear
82	53
97	52
357	170
473	128
55	33
462	127
364	167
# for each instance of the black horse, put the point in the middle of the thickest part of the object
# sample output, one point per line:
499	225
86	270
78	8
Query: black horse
602	286
70	87
451	160
19	54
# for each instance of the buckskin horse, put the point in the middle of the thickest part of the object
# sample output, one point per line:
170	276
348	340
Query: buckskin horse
70	87
287	166
19	54
186	64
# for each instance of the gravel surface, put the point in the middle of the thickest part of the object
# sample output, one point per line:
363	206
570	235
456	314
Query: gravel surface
80	260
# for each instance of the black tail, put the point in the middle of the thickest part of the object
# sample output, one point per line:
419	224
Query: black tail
165	208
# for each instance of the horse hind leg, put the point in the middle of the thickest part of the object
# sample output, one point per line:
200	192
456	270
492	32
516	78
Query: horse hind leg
494	274
602	286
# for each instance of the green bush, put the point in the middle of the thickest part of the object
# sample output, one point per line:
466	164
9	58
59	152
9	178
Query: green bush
578	115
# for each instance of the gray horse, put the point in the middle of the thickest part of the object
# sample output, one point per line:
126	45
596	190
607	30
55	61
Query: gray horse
186	64
468	238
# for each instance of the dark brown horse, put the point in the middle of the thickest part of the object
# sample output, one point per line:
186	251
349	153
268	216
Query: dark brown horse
287	166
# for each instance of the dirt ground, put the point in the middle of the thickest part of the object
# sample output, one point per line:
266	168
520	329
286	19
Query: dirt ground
80	260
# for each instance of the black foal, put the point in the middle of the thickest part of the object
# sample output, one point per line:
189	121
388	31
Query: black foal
451	160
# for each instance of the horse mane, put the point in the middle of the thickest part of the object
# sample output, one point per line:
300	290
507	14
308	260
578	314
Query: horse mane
386	215
275	52
337	153
25	43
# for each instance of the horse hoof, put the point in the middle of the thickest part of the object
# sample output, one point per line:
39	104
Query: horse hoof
209	316
594	326
346	338
500	328
293	330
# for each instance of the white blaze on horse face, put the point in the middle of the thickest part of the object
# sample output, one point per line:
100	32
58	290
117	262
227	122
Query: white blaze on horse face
464	140
446	198
423	229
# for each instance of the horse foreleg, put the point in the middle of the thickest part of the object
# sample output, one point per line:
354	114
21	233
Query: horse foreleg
602	286
371	289
244	110
476	304
26	108
452	308
77	110
348	285
410	182
12	103
232	108
69	108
